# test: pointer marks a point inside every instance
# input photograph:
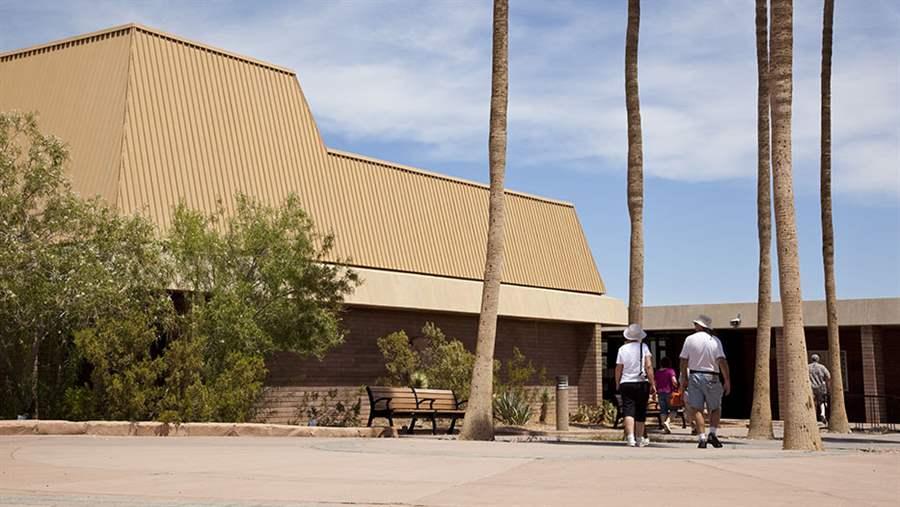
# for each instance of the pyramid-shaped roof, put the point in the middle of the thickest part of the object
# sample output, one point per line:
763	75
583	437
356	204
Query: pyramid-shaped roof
152	119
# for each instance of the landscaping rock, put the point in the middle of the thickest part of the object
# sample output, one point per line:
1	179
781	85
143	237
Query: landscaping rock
18	427
61	428
109	428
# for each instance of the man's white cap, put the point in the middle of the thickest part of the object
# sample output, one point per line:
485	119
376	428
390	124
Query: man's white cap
634	332
704	322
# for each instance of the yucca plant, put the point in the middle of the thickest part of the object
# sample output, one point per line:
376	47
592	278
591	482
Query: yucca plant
512	407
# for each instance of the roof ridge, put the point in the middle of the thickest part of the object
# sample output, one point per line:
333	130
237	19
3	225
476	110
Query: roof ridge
26	51
148	30
432	174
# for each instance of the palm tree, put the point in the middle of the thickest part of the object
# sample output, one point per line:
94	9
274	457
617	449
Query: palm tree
800	430
635	165
837	422
761	412
479	421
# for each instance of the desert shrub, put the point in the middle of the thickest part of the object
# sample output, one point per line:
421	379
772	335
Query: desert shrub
512	407
400	360
446	362
442	362
604	414
329	409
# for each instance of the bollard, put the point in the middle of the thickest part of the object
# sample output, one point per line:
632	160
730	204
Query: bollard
562	403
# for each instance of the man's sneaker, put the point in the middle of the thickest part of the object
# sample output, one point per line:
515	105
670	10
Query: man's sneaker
714	440
667	428
630	443
644	442
702	444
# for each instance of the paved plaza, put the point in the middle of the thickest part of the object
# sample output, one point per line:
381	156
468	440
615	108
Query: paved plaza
244	471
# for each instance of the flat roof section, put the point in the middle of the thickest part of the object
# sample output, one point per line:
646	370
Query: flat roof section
851	312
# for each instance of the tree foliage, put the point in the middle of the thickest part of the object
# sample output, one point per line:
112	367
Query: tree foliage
439	363
88	326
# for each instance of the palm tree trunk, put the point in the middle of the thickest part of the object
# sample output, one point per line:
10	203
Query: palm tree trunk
837	422
800	429
635	166
479	420
761	412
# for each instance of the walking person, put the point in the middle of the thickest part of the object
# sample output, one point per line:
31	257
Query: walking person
635	383
819	378
702	361
666	384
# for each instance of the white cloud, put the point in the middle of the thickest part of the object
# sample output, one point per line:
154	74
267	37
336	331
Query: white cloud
393	71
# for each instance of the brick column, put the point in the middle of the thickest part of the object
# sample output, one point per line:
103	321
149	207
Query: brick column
590	382
780	369
873	372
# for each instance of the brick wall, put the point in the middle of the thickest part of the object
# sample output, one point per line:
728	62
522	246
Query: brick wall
286	405
556	346
890	347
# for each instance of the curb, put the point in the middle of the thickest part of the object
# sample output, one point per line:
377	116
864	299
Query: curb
161	429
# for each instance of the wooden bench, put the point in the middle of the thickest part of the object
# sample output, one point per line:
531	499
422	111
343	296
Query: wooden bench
431	404
443	404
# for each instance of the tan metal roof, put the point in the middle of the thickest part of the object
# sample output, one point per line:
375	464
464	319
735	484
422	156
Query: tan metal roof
152	119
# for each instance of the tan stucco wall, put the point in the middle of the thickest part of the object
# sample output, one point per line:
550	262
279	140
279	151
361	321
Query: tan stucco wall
422	292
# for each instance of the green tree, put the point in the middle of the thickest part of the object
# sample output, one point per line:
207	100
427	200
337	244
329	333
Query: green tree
257	280
65	263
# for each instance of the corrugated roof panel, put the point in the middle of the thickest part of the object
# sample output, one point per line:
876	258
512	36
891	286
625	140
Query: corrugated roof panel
198	124
69	85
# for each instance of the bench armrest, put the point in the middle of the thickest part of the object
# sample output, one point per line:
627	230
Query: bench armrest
385	399
460	403
423	400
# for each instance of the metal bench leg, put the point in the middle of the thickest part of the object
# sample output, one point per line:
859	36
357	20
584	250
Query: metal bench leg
371	417
412	425
433	425
452	425
390	420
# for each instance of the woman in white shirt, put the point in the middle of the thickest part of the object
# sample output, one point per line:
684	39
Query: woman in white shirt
635	382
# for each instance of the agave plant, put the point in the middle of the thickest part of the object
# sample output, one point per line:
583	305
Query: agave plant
512	407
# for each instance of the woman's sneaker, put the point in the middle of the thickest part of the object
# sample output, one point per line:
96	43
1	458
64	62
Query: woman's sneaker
644	442
667	428
714	440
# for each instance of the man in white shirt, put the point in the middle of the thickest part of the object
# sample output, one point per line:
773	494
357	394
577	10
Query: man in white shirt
819	377
702	360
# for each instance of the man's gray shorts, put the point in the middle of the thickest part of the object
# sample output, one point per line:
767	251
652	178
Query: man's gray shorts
704	388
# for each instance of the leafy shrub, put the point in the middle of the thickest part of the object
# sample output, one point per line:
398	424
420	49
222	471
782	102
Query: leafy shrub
604	414
446	362
512	407
329	409
401	360
443	363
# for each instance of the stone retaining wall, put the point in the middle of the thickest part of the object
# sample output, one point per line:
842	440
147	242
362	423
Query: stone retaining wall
159	429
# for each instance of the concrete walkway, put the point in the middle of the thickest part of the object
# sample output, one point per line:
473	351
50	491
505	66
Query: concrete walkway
92	470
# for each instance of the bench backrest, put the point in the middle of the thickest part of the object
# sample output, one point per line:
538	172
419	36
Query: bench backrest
402	398
444	399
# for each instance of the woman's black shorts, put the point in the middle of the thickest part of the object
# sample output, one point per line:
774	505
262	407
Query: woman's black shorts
634	399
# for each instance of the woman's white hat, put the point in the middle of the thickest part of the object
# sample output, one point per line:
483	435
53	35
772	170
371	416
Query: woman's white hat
634	332
704	322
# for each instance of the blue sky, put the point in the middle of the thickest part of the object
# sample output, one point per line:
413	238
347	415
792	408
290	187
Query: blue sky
409	81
